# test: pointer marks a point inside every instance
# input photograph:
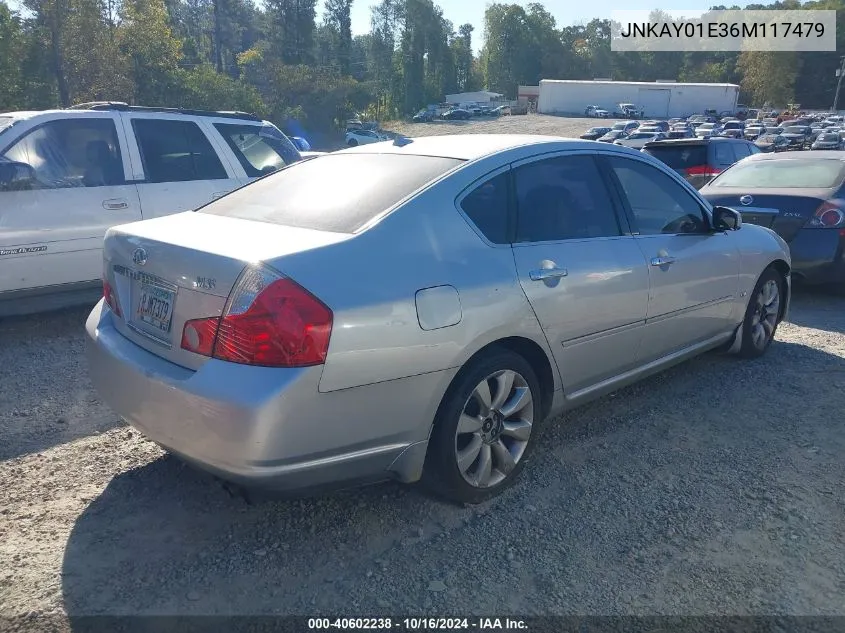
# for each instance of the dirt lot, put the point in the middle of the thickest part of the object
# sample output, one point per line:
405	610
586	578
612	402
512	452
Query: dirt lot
518	124
713	488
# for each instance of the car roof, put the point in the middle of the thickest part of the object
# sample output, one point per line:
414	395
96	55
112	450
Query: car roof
829	154
471	146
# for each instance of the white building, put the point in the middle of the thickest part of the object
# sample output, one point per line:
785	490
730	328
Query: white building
657	99
480	96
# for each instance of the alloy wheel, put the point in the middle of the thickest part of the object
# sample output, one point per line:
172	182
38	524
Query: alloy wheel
766	312
494	428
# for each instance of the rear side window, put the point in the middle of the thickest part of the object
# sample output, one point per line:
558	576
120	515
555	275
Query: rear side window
176	151
742	150
338	193
680	156
786	173
487	207
261	149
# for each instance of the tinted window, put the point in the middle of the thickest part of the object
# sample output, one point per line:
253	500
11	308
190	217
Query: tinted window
680	156
339	192
176	151
724	154
261	149
78	152
563	198
659	204
784	173
487	207
742	150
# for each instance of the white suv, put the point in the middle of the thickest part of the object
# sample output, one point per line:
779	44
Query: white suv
66	176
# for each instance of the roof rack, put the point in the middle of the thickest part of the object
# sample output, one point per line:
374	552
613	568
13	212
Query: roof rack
121	106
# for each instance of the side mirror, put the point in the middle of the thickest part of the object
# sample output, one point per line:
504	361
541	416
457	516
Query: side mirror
726	219
16	176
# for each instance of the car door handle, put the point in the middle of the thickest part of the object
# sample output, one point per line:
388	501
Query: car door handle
114	205
219	194
662	261
547	273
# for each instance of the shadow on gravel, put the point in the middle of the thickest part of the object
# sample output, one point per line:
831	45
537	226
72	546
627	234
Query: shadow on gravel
682	494
46	398
818	308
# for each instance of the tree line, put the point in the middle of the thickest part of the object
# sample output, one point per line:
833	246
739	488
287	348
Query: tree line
279	60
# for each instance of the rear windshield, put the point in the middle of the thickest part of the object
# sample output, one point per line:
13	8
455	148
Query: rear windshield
339	193
795	173
679	156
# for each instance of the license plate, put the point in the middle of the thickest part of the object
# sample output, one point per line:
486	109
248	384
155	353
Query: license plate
155	306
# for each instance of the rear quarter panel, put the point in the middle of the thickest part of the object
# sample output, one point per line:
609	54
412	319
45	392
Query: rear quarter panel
370	283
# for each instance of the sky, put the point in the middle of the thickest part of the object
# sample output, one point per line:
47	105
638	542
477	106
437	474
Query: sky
566	12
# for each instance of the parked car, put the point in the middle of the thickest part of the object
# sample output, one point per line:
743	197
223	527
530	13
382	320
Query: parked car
594	133
663	126
679	133
799	195
827	140
700	160
423	116
362	137
457	114
797	135
456	386
301	144
772	143
612	136
596	111
637	139
76	172
626	126
731	133
707	129
630	111
501	110
752	132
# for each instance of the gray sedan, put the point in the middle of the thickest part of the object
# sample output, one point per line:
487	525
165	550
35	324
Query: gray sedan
416	309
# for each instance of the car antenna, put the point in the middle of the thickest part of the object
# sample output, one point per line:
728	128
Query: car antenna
402	141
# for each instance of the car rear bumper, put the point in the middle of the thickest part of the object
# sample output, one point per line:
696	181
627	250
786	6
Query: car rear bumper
265	427
817	256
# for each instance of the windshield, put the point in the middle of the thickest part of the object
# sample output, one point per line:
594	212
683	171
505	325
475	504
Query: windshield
785	173
619	126
706	126
362	187
639	135
597	130
829	138
795	129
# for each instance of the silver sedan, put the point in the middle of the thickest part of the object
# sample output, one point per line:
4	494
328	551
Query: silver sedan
416	309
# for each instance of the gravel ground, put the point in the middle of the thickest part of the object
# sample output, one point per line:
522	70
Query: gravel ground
714	488
517	124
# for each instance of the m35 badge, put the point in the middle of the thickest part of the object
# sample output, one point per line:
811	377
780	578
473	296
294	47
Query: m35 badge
205	283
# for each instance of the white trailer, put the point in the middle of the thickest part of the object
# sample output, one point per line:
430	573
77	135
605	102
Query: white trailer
657	99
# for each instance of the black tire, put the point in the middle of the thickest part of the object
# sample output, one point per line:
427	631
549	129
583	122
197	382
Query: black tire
752	347
352	142
442	475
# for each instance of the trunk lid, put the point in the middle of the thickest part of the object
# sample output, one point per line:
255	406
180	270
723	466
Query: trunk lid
172	269
784	211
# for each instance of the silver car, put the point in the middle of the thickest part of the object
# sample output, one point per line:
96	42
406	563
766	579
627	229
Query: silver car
416	309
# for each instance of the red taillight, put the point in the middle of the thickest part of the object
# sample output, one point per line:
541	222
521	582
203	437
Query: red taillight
702	170
110	297
829	215
269	321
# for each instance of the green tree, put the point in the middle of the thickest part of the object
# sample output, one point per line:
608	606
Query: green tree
12	49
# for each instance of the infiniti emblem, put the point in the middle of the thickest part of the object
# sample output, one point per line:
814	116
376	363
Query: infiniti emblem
139	256
746	199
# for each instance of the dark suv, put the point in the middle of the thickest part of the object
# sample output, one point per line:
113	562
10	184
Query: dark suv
700	160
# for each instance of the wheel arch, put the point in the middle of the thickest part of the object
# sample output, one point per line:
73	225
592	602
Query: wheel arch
784	270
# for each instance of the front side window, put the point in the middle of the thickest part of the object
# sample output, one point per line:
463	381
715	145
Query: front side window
176	151
563	198
487	207
261	149
658	203
82	152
